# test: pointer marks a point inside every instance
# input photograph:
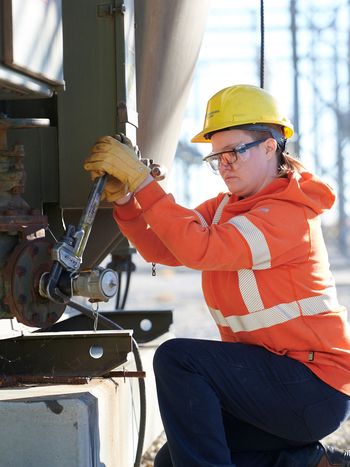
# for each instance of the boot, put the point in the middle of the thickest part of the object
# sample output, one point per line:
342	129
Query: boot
333	457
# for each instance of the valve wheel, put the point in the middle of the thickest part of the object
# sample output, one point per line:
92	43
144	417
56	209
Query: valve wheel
27	262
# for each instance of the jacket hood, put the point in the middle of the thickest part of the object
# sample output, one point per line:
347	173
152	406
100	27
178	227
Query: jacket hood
304	188
308	189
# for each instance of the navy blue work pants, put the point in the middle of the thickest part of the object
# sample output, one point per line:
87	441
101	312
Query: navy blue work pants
231	405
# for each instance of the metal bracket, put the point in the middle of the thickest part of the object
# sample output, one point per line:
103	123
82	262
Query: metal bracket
64	354
147	325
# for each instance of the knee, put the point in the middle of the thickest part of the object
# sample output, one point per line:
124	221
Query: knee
167	355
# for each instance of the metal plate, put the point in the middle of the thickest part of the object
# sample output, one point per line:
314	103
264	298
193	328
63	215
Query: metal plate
85	353
146	324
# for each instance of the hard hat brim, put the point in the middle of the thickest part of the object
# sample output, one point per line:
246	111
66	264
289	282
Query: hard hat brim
200	137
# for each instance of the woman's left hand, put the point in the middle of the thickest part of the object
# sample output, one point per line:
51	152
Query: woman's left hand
118	160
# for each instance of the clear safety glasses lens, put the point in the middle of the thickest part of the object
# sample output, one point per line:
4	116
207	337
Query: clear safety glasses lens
213	163
219	159
227	158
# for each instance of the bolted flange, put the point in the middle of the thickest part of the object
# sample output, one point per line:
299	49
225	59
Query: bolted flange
26	264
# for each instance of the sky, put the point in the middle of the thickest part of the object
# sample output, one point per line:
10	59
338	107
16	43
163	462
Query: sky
230	54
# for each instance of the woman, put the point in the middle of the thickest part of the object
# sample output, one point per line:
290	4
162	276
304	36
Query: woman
280	379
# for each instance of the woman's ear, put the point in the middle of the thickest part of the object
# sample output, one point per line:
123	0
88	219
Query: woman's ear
270	147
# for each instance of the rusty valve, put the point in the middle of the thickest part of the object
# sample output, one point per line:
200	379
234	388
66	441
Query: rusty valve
99	285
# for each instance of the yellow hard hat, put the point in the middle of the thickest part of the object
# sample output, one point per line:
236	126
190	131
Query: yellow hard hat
241	104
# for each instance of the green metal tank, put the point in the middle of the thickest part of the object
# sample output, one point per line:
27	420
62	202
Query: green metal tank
119	66
70	72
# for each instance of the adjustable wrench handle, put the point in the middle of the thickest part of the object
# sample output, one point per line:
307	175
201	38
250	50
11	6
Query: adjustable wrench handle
88	215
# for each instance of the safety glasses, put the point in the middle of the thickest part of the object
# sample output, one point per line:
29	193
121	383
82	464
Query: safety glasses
230	156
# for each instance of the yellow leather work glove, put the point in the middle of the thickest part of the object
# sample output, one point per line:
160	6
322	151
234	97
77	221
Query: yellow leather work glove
114	190
118	160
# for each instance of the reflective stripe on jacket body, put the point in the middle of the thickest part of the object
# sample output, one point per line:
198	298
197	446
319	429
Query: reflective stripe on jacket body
266	276
276	309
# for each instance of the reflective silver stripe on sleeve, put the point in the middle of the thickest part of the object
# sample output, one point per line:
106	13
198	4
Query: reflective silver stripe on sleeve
201	219
281	313
218	317
217	214
219	209
249	290
259	248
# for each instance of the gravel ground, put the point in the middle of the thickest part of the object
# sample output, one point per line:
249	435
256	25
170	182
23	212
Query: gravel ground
180	289
148	457
339	439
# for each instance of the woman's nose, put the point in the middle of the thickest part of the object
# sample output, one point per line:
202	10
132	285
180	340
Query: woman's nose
223	168
228	164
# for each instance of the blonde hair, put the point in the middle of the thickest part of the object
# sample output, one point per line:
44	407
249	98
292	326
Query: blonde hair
288	164
285	162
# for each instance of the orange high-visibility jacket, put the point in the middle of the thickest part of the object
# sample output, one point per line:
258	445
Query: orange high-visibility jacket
266	276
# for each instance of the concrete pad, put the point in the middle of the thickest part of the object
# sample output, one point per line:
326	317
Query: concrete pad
89	425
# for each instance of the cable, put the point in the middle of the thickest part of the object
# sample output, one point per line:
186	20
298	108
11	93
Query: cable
142	388
129	270
262	44
121	265
138	362
117	300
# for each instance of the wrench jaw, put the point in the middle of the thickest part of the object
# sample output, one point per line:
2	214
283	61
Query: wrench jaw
65	280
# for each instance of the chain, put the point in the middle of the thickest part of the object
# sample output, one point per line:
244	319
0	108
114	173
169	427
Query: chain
94	308
154	272
262	44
